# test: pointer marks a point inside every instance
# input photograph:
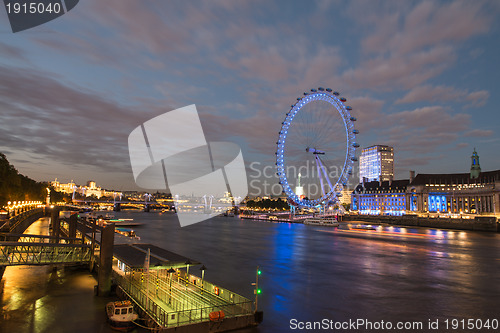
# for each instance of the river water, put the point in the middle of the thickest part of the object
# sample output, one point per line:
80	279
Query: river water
390	274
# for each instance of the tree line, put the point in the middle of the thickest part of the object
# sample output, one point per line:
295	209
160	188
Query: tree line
278	204
17	187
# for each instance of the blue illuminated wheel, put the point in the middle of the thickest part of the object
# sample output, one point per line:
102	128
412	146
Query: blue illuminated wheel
316	149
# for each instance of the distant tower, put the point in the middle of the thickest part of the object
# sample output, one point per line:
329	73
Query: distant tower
475	168
299	190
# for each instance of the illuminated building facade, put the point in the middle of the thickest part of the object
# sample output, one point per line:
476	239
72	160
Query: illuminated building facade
345	198
90	190
456	193
475	192
376	163
65	188
380	198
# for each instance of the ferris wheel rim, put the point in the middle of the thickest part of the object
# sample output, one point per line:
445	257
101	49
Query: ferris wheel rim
338	103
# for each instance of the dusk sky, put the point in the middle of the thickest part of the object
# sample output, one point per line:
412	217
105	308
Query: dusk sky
421	76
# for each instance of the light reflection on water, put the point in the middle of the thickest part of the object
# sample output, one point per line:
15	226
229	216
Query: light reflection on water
311	273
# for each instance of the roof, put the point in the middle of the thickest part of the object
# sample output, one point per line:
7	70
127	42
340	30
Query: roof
395	185
134	255
456	178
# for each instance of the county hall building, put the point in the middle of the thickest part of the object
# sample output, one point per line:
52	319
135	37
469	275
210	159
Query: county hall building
475	192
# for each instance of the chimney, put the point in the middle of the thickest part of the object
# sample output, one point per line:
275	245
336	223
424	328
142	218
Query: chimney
380	181
391	178
412	176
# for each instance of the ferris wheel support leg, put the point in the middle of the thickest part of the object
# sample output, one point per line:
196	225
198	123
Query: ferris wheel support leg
319	166
325	174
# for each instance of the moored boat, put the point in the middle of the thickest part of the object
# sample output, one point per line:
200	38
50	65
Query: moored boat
121	315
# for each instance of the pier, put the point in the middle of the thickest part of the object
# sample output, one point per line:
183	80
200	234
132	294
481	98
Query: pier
172	298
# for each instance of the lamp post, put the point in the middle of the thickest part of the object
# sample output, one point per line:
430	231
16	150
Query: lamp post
47	200
188	262
170	271
257	291
202	269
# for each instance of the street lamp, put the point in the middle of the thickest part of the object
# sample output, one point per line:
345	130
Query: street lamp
202	269
170	271
188	262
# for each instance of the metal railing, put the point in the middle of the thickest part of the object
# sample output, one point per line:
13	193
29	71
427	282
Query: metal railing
18	253
14	221
173	303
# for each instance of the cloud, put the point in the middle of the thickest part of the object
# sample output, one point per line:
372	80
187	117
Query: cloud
444	94
478	98
479	133
407	45
367	111
424	130
426	25
64	123
400	72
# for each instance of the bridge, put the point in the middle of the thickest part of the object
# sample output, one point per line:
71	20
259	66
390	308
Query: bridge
17	248
28	253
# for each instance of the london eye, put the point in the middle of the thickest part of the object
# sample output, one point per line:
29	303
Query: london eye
316	149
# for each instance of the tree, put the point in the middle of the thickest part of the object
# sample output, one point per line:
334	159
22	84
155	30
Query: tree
17	187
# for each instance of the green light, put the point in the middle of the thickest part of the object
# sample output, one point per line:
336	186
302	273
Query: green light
259	272
259	291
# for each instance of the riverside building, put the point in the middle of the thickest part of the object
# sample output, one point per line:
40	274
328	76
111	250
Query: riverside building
476	193
376	163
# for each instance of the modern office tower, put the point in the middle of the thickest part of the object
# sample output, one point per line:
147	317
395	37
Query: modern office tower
376	163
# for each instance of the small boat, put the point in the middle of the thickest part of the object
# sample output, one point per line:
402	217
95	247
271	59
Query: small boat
328	222
363	227
121	315
127	232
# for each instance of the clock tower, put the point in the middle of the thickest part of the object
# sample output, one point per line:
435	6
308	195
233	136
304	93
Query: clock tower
475	169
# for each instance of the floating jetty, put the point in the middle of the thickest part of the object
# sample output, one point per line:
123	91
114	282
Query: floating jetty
172	299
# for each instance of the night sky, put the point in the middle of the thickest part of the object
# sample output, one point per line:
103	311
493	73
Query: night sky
421	76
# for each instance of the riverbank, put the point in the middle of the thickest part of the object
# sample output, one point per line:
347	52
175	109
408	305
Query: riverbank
476	224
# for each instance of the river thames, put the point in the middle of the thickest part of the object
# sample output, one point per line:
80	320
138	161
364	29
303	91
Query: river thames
317	274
